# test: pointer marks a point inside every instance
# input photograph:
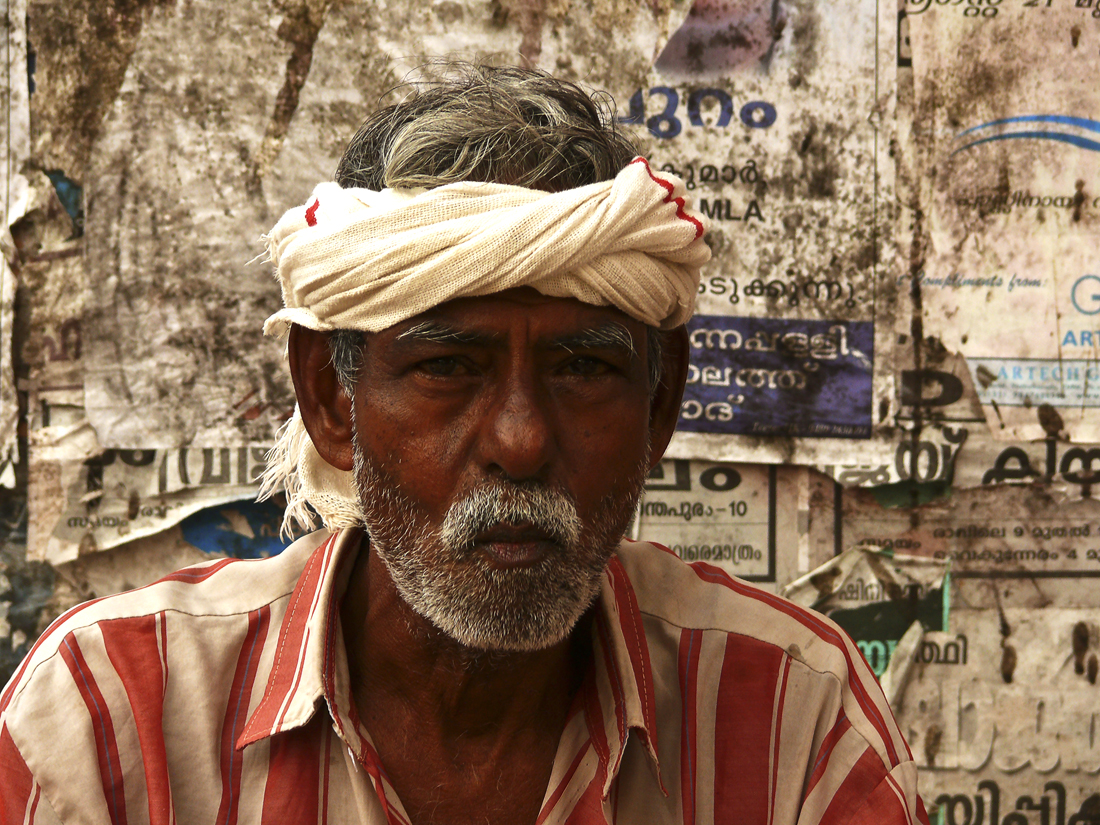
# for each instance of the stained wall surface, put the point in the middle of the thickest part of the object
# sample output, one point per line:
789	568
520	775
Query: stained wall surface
892	409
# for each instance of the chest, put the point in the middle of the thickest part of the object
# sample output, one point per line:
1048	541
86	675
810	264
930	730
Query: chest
471	781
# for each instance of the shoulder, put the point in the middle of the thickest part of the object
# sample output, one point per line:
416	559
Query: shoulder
742	632
201	594
700	596
149	675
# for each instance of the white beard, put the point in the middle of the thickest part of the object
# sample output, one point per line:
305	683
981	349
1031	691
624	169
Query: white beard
442	577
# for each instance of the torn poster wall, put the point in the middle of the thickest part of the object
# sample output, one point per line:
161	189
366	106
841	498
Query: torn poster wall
779	118
736	517
1010	170
999	702
942	438
15	133
83	499
196	159
968	456
1018	532
1004	720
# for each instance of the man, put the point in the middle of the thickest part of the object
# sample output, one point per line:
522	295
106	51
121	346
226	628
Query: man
485	317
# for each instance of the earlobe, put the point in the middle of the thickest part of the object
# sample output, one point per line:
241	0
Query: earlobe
325	407
664	410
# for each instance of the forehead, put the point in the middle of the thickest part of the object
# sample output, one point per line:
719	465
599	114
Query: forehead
521	312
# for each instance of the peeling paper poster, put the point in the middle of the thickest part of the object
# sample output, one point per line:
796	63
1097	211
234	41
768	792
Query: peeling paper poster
15	190
877	596
825	394
1008	109
240	529
779	117
83	499
736	517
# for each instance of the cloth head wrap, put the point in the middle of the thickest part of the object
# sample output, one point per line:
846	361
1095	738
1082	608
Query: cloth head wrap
366	260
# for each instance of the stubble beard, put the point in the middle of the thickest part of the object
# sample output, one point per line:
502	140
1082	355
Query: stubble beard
443	577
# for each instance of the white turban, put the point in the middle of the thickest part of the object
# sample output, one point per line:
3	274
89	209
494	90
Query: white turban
366	260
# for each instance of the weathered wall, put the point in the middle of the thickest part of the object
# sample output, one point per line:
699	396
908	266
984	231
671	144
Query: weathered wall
893	355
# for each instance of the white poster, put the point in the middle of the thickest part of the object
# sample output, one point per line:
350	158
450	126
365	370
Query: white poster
1007	120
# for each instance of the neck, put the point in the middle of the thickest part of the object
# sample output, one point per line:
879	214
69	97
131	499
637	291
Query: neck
403	666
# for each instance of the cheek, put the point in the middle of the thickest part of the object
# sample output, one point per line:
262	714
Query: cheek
419	449
604	453
387	423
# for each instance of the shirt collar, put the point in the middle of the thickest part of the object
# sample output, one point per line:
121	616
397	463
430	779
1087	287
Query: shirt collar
298	674
620	692
624	698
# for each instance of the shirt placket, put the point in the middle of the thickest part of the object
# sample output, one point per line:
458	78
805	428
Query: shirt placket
375	797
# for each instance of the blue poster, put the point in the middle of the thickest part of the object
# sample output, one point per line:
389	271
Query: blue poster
771	376
240	529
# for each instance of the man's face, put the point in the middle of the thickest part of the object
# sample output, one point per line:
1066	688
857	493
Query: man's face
501	446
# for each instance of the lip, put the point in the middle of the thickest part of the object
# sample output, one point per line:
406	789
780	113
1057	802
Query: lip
509	546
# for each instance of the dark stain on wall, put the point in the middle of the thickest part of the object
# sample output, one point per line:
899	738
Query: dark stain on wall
1008	663
299	29
71	98
528	16
1080	642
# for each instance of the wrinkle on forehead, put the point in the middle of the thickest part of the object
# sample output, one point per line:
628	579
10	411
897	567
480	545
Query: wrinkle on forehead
485	320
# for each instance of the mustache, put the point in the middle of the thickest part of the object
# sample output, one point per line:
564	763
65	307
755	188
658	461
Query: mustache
537	506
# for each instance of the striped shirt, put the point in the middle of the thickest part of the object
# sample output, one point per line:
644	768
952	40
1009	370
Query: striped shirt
221	694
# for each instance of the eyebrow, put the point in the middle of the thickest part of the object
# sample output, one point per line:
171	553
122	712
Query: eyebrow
434	332
609	336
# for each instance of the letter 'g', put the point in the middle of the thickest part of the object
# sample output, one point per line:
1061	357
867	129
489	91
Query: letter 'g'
1086	294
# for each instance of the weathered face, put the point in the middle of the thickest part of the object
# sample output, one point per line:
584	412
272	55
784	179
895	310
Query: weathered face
502	443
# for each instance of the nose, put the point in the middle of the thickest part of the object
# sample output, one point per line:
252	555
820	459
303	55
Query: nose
517	439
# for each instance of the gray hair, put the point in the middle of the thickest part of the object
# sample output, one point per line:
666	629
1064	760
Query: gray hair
499	124
346	347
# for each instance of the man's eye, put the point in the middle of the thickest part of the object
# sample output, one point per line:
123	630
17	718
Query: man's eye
587	366
442	367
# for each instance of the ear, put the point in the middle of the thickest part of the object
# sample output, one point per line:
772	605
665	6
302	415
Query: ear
664	409
325	408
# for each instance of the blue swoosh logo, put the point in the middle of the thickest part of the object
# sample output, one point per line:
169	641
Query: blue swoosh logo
1080	122
1033	134
1074	140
